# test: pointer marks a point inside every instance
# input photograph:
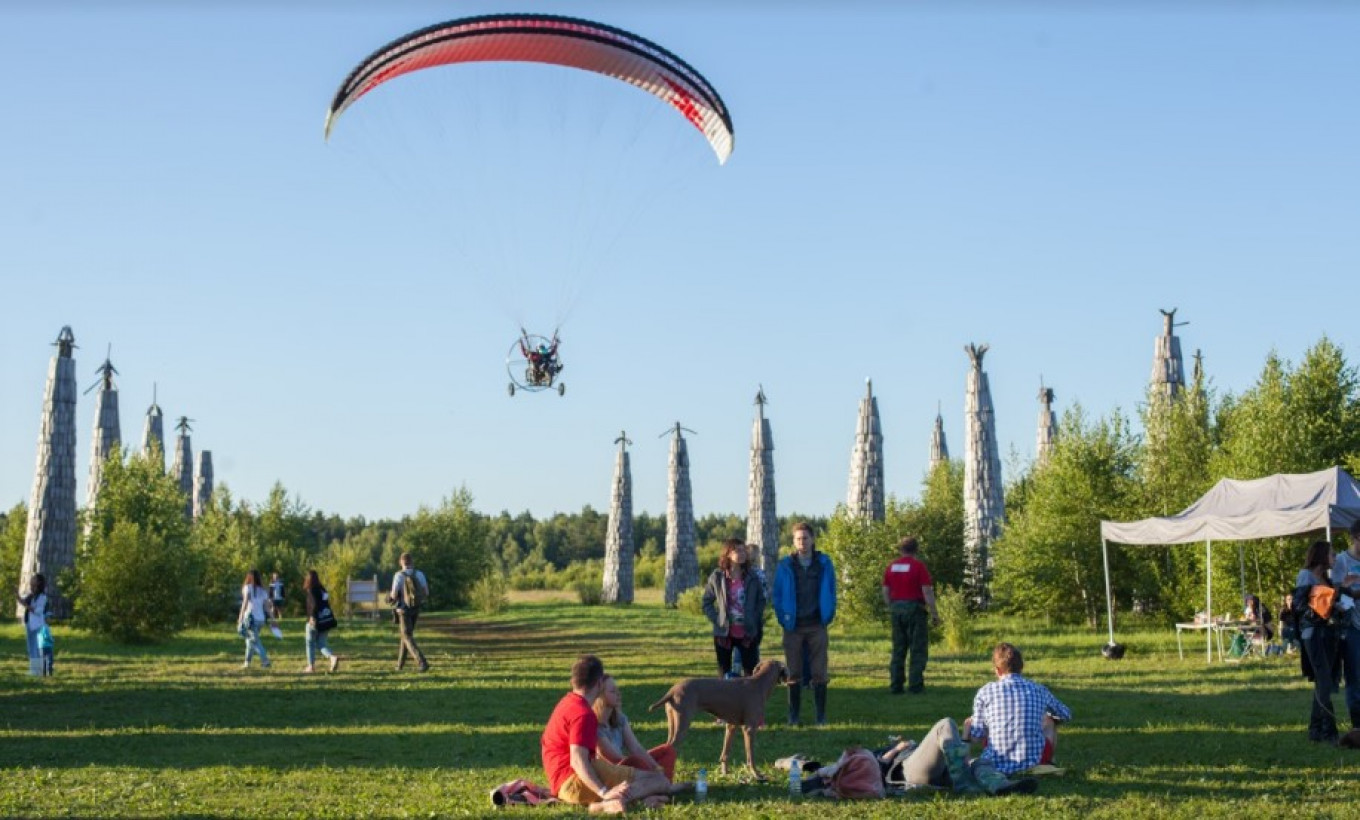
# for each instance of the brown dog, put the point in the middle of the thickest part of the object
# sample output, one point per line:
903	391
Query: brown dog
738	702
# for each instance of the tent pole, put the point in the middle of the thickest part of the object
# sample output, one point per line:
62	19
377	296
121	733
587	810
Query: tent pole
1209	602
1109	601
1242	569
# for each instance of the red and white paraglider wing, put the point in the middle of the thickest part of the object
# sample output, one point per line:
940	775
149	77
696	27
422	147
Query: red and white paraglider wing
550	39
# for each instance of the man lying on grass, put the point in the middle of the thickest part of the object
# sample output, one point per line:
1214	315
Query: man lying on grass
574	773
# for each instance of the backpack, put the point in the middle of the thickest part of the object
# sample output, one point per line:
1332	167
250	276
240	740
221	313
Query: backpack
857	777
412	593
1313	604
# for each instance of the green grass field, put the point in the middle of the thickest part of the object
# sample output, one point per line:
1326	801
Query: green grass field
179	729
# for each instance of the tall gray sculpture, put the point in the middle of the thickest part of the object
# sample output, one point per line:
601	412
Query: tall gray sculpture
762	523
682	563
153	432
939	448
1168	370
983	498
107	434
865	499
618	538
203	482
183	468
1048	425
50	542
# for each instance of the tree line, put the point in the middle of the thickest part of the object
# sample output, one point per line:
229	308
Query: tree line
143	570
1048	563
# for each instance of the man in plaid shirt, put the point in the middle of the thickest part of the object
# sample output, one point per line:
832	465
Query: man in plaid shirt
1016	717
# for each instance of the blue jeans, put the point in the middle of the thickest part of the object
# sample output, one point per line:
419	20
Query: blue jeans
316	640
254	644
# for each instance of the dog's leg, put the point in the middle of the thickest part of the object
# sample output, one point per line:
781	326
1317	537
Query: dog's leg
749	735
728	731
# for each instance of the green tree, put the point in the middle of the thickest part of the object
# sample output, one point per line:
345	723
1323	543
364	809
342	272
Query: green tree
1324	404
1048	559
449	546
1174	469
223	548
938	523
135	570
13	530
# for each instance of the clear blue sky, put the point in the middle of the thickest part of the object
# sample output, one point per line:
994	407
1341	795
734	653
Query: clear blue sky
1041	177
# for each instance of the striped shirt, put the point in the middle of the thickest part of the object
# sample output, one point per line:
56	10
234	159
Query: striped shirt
1010	713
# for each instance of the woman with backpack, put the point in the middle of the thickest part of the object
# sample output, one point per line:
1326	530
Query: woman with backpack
253	616
320	620
1319	640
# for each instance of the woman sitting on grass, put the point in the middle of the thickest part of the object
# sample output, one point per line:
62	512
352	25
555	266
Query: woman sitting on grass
615	737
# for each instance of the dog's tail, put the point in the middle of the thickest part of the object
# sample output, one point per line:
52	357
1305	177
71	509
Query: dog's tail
664	699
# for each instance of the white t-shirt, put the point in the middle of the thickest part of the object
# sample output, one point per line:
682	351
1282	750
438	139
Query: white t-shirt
37	613
255	598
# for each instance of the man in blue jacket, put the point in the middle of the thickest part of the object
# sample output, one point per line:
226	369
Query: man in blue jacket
805	603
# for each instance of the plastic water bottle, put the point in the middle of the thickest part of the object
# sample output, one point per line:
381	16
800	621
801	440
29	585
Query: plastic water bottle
795	778
701	785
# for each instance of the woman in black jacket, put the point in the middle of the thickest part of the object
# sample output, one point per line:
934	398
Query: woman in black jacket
734	601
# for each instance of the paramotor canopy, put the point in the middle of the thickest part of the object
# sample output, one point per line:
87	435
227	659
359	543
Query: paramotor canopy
542	38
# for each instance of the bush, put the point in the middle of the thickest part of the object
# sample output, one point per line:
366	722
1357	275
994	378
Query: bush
449	545
128	591
589	594
691	601
957	621
489	594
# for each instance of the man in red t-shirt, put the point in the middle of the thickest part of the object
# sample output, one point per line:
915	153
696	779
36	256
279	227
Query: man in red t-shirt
574	774
908	591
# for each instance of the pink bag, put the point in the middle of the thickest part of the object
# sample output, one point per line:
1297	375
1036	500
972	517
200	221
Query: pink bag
521	793
857	777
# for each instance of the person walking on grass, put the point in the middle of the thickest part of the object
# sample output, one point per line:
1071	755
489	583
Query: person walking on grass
320	620
253	616
410	590
568	746
276	596
908	592
805	604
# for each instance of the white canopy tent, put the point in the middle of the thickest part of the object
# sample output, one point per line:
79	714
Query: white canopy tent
1286	504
